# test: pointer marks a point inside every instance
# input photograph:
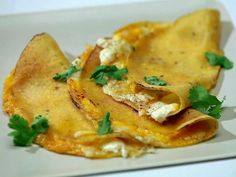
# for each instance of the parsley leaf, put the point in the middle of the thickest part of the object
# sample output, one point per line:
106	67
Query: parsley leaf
104	125
202	101
103	72
67	74
153	80
221	60
23	134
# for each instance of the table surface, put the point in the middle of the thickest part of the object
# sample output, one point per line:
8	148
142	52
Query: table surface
217	168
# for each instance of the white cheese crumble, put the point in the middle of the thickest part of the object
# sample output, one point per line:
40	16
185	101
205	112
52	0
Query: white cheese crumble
159	110
114	89
136	98
116	147
112	48
76	62
108	90
88	151
145	139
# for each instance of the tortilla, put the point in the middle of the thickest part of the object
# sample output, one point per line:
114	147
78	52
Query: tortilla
30	90
173	52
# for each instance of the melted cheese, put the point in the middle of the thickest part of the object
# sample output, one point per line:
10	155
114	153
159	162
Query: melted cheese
76	62
138	97
159	111
116	147
125	91
113	48
88	151
122	91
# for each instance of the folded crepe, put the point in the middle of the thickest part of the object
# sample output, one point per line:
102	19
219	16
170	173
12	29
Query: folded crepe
186	128
74	110
30	90
173	52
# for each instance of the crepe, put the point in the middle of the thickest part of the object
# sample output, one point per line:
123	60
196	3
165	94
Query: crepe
30	90
173	52
186	128
75	108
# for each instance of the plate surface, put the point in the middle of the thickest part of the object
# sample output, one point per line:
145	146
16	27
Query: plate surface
72	29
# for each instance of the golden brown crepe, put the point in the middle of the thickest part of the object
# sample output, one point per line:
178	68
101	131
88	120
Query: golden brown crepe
177	52
30	90
186	128
174	52
74	109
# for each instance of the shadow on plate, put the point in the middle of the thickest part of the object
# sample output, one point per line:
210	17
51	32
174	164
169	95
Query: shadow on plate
228	113
216	89
226	30
32	149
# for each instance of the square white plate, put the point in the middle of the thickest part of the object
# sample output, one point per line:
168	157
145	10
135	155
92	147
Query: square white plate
72	29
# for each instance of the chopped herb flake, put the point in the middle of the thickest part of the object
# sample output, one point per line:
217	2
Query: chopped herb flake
221	60
202	101
67	74
104	125
103	72
153	80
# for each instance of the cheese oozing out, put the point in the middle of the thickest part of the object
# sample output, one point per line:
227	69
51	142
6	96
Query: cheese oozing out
137	97
116	147
76	62
159	110
113	48
120	91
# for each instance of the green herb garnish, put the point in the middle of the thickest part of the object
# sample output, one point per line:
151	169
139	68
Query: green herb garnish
153	80
67	74
40	124
221	60
202	101
104	125
23	134
103	72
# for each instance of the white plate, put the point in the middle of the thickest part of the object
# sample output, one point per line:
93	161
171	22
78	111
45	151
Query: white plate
73	29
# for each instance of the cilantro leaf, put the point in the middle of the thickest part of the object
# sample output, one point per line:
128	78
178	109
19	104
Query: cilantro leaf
100	79
221	60
117	75
103	72
153	80
67	74
202	101
23	134
40	124
104	125
98	70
